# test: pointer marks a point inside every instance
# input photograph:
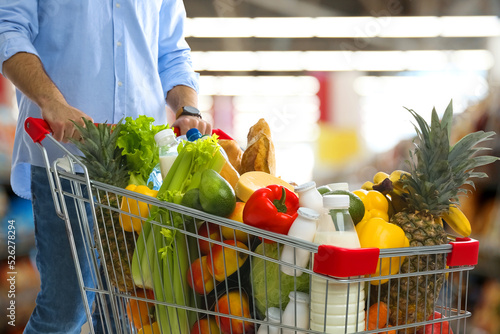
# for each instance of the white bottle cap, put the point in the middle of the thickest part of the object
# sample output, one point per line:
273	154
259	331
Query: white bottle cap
164	137
274	314
308	213
339	186
305	186
298	296
336	201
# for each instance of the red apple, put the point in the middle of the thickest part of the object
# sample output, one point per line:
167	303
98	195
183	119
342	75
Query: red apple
199	278
234	304
208	230
225	261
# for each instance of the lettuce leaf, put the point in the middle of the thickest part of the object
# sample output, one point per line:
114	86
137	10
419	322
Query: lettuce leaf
139	147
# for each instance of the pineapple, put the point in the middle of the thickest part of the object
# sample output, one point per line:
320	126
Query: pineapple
105	164
437	173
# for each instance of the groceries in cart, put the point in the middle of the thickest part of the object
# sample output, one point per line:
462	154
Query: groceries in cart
224	245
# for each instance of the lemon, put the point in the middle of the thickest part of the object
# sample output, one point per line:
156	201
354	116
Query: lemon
191	199
323	189
356	206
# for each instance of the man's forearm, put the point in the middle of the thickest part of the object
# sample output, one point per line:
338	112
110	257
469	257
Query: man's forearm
26	72
181	96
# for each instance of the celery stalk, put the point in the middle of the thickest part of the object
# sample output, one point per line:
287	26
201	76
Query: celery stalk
138	270
148	257
161	294
183	172
182	292
217	161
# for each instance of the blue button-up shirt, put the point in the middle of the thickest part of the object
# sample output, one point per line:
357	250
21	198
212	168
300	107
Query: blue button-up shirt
109	58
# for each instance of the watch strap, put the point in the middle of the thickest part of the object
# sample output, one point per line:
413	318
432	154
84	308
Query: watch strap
187	111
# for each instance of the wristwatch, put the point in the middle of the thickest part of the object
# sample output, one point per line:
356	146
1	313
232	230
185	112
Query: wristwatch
188	111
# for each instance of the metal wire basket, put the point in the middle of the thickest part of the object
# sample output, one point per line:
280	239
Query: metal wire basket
221	276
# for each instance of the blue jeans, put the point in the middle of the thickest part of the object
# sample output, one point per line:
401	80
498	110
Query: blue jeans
59	305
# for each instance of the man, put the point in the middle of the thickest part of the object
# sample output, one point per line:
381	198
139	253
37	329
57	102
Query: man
97	59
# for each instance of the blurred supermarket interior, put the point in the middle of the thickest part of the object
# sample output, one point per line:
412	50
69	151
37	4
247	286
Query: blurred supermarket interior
332	78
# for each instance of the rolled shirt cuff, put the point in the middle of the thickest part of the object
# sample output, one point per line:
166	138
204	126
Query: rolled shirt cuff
12	42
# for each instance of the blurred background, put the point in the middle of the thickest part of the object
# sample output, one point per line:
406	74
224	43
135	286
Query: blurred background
332	79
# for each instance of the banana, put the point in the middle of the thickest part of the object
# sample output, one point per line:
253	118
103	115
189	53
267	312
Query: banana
379	177
397	183
367	185
456	219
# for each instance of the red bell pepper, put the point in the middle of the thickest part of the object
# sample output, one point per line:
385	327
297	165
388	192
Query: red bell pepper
273	208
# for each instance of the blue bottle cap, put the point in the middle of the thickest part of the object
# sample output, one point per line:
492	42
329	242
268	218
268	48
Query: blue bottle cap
193	134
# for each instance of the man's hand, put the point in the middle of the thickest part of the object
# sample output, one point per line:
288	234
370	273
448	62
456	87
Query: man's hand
180	96
59	116
184	123
26	72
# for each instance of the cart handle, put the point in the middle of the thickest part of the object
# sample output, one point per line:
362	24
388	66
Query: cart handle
38	128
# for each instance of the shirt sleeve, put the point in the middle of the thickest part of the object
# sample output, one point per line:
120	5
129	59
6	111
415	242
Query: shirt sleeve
18	28
174	54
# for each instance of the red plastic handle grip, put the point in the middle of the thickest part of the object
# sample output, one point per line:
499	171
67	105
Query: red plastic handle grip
345	262
464	252
37	129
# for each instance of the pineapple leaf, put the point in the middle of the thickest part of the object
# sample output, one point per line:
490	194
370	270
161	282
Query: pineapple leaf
101	156
438	171
467	143
483	160
447	118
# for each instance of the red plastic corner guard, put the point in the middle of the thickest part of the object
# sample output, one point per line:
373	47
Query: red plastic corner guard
345	262
464	252
36	128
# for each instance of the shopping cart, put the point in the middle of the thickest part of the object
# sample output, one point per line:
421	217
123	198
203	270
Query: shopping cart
234	282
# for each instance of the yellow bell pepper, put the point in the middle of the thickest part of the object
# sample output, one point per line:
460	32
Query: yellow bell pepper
376	204
133	207
378	233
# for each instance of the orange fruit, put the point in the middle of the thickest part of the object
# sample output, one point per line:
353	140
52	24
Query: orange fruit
138	310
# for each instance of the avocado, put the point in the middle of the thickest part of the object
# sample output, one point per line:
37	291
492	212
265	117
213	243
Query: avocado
216	194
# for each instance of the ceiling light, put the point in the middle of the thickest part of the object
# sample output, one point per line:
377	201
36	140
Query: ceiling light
472	60
220	27
278	61
344	27
327	61
259	85
283	27
470	26
426	60
379	61
430	60
421	26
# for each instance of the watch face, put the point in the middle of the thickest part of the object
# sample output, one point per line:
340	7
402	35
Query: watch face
191	110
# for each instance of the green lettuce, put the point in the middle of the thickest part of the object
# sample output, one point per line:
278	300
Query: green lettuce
268	291
139	147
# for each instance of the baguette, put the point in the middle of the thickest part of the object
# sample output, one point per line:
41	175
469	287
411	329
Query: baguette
259	154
